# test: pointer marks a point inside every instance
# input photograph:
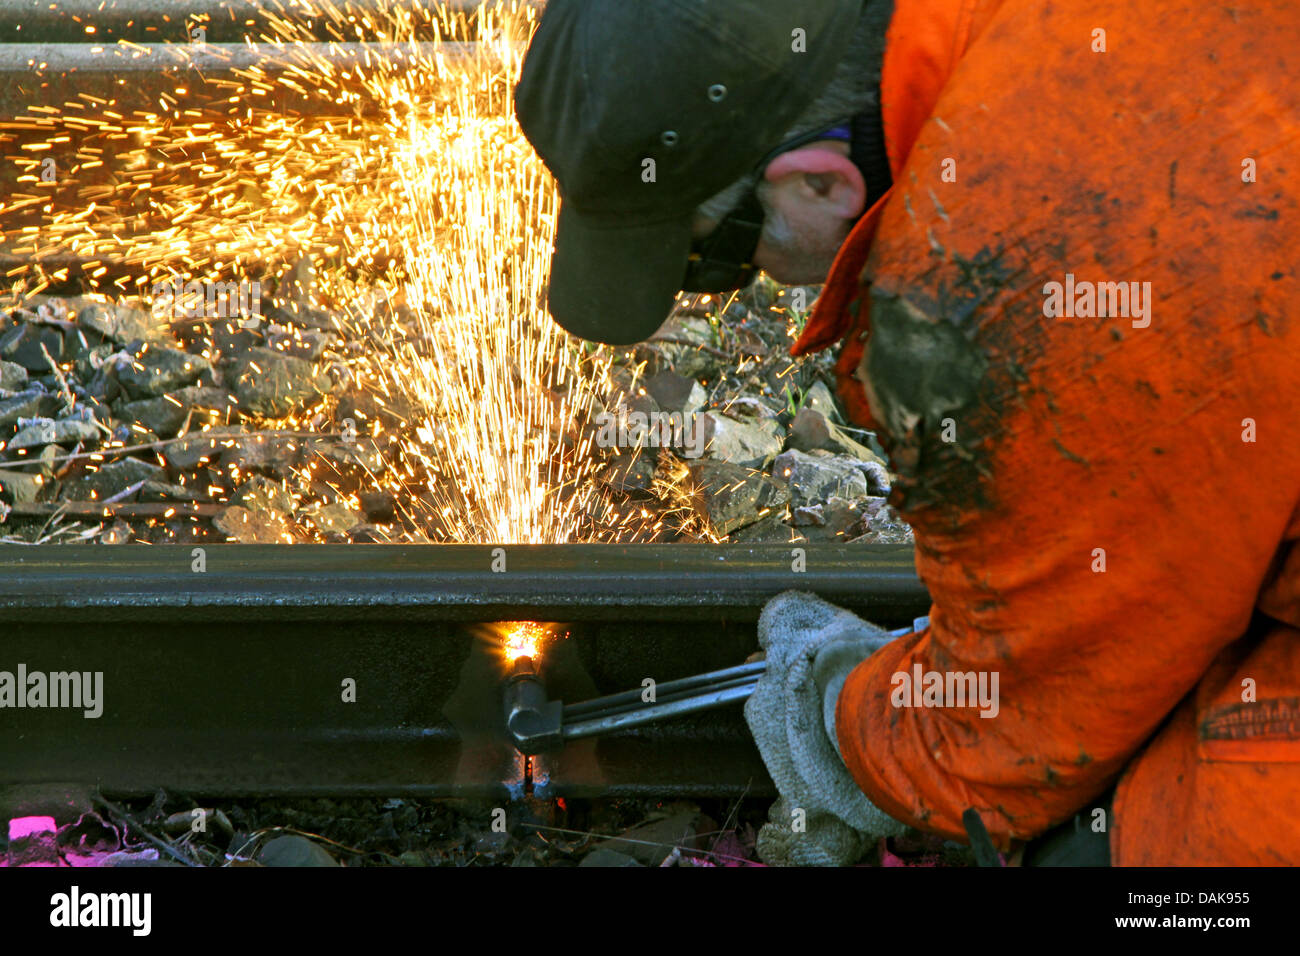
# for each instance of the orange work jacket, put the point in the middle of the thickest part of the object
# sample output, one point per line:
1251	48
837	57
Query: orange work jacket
1073	321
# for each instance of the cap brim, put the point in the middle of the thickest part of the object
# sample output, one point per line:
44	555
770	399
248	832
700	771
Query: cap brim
615	284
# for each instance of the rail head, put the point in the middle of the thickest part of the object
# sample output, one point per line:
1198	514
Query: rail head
454	582
174	21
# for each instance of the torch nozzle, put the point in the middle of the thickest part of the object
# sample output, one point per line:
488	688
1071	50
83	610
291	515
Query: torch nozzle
532	720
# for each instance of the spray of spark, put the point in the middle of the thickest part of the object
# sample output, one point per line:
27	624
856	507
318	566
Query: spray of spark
524	639
500	387
404	182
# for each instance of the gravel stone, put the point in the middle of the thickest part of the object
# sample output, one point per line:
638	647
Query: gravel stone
36	432
262	494
842	520
769	529
21	345
814	477
731	496
676	393
379	506
358	453
334	518
818	398
12	376
813	431
364	409
294	850
253	527
157	369
198	449
631	474
274	385
887	527
269	454
32	403
684	355
808	516
746	407
753	444
166	414
21	487
111	479
877	477
119	323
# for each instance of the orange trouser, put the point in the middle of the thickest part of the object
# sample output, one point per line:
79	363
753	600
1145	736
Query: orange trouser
1104	495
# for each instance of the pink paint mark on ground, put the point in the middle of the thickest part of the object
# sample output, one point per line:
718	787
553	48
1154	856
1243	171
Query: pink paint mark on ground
20	827
730	851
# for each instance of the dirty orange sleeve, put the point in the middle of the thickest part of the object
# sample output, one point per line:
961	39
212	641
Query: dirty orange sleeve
1101	476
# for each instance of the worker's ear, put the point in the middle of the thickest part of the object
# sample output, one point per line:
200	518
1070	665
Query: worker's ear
824	176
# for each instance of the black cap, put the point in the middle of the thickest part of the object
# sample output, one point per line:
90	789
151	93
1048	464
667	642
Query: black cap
703	89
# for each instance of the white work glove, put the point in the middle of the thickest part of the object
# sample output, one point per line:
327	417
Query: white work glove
822	818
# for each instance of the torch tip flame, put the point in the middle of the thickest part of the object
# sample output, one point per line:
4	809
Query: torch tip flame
523	639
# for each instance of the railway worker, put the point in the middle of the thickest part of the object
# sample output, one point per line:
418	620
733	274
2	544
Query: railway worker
1059	245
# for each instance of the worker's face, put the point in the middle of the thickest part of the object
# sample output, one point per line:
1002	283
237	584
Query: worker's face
811	197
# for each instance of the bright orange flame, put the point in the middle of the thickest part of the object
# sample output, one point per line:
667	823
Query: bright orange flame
523	639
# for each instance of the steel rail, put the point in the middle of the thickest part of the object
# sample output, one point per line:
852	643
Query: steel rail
212	77
140	20
159	78
450	582
142	59
210	58
222	667
151	78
